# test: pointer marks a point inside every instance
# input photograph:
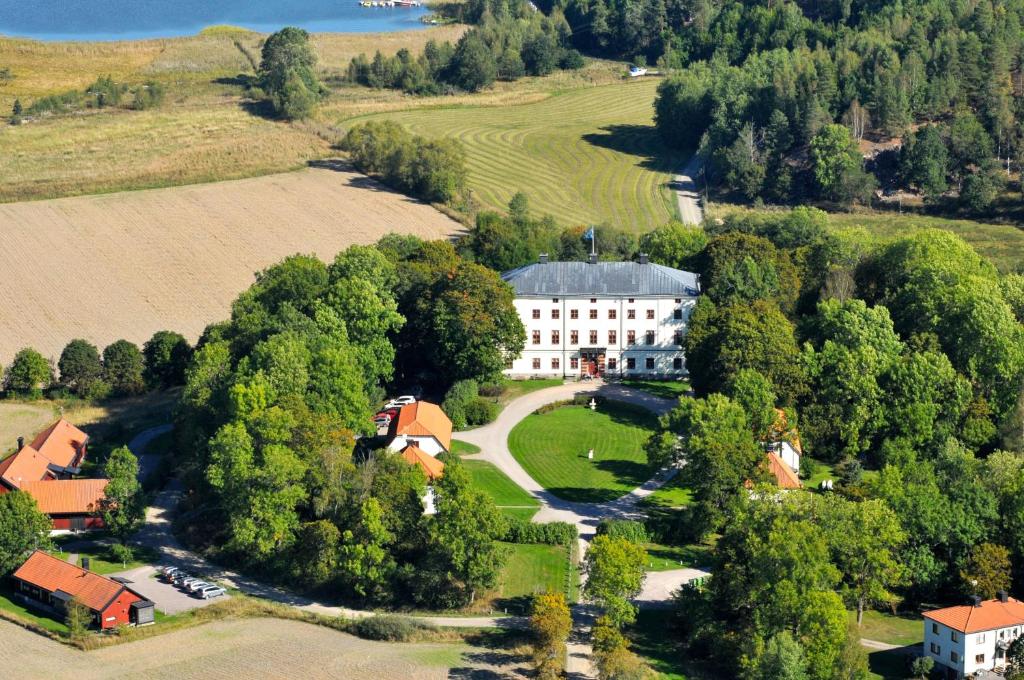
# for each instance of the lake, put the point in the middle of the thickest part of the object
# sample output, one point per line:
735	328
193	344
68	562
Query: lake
134	19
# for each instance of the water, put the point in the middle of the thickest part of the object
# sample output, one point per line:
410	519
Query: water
135	19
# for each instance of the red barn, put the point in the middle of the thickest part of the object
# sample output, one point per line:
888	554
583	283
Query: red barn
56	453
50	583
72	504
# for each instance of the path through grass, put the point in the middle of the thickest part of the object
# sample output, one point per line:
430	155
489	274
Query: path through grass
553	447
585	157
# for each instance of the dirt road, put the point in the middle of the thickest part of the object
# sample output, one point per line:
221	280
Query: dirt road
687	192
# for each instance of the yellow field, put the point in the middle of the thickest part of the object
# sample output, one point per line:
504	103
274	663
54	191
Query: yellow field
203	132
129	264
22	420
248	648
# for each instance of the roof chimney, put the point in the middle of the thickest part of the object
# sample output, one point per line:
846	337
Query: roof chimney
21	443
542	258
1003	596
593	258
85	563
643	258
975	601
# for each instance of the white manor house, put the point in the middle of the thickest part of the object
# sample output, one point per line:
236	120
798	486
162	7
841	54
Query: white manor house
602	318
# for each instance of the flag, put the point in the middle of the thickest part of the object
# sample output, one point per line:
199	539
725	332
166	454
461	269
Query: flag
589	234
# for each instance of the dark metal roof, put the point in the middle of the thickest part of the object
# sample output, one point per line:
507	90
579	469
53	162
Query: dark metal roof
621	279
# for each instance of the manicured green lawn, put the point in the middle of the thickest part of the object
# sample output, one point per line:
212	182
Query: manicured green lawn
653	639
523	514
553	447
102	561
672	494
461	448
496	484
8	604
531	569
517	388
666	557
666	389
819	472
901	630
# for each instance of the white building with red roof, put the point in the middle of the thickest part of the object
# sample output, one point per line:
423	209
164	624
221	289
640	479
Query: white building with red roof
970	638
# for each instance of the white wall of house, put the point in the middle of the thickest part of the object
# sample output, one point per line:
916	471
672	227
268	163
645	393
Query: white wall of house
789	456
967	652
428	445
552	349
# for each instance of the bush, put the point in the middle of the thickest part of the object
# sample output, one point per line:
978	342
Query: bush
491	390
389	628
480	411
454	405
550	533
571	60
634	532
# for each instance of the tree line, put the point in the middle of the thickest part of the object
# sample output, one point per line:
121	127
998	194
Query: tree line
901	364
522	42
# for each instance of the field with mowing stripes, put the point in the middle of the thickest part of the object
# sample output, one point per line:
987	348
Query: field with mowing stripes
586	156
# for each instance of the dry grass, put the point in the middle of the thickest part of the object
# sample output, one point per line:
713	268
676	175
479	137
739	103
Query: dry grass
233	648
129	264
22	420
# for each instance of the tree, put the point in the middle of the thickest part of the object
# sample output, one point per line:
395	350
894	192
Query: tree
755	395
287	73
123	506
674	244
865	539
924	162
16	110
78	618
922	667
28	374
988	570
713	438
23	528
550	624
783	659
463	532
80	367
366	562
473	66
615	575
540	54
166	356
123	367
123	553
838	166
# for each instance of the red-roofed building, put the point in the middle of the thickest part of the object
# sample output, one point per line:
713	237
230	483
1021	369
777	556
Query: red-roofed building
72	504
56	453
968	638
50	583
423	425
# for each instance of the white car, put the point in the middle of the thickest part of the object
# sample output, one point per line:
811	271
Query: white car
211	591
404	400
637	71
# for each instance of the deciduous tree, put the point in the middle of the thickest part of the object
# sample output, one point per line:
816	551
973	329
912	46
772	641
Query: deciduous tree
22	529
123	506
28	374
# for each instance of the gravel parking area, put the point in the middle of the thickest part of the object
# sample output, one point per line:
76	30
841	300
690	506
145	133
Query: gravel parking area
169	598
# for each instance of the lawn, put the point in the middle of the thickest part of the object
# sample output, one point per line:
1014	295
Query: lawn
666	389
9	605
531	569
19	419
102	561
900	630
819	472
653	639
587	156
552	447
513	389
1001	243
496	484
461	448
666	557
671	494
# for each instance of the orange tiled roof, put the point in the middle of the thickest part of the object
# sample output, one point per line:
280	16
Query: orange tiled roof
60	442
51	574
432	467
784	475
67	496
990	615
27	465
423	419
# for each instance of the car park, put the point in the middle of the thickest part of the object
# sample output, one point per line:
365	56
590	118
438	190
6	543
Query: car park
211	591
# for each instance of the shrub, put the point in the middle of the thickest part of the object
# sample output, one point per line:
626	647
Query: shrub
492	390
571	60
389	628
480	411
550	533
454	405
148	96
634	532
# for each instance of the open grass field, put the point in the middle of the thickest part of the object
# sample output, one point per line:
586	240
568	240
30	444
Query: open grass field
126	265
553	447
19	419
531	569
666	389
496	484
905	629
233	648
1001	243
586	156
203	132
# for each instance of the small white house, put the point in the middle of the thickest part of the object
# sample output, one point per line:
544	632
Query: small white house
784	442
969	638
423	425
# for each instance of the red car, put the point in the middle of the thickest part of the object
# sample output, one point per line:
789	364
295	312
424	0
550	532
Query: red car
389	412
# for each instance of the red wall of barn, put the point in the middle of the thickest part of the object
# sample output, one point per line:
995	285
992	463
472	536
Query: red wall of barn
65	522
118	610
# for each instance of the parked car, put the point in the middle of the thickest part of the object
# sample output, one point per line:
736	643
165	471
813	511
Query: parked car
382	421
210	592
389	412
196	586
637	71
168	572
399	402
187	583
179	576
